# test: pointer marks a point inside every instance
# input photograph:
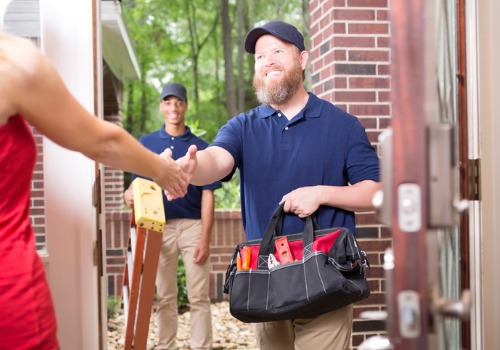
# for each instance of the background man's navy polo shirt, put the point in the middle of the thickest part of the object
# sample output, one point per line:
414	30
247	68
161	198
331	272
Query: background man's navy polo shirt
188	207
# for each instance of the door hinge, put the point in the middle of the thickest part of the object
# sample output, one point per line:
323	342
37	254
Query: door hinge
96	193
474	179
98	258
95	253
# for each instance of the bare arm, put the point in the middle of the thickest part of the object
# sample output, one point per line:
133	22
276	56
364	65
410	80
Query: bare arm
207	220
204	167
305	200
33	88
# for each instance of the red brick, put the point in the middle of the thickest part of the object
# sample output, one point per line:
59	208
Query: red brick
340	55
368	123
372	136
384	96
369	83
354	15
384	123
339	28
368	28
346	41
383	42
340	83
355	96
368	109
383	69
367	3
383	15
368	55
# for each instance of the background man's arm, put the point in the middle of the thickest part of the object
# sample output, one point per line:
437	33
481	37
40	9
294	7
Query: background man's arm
207	220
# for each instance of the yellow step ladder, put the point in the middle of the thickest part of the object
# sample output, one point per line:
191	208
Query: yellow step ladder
146	230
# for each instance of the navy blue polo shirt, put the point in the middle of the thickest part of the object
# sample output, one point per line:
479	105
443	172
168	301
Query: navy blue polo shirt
188	207
321	145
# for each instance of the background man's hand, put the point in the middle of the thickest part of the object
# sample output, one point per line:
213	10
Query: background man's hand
201	252
128	196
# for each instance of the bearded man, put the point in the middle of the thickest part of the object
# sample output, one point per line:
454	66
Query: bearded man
298	149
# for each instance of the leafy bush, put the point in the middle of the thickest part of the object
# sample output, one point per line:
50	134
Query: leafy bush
113	304
228	197
182	298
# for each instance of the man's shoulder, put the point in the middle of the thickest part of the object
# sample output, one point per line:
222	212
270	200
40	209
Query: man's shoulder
198	141
257	113
331	110
153	134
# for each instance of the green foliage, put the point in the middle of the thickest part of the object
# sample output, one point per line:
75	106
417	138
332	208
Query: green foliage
181	40
228	197
182	298
113	304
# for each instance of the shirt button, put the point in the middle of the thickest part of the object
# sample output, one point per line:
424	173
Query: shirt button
279	115
171	147
286	127
173	138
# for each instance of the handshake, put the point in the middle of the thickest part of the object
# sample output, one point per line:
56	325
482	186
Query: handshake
174	177
185	167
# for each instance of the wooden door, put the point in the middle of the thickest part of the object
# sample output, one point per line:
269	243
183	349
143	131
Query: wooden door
424	171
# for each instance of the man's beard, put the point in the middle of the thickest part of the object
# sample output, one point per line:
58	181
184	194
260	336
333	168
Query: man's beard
277	93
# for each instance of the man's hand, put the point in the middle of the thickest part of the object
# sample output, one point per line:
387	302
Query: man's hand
303	201
187	164
201	252
128	197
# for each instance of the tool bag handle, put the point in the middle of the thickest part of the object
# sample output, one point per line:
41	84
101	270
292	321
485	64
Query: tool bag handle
275	228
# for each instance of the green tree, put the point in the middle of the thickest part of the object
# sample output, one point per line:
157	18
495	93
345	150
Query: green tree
195	42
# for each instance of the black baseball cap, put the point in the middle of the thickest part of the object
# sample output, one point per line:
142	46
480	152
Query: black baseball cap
174	89
281	30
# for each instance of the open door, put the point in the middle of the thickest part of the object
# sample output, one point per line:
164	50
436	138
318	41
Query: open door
425	180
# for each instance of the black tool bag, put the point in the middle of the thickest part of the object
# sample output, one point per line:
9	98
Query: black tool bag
327	272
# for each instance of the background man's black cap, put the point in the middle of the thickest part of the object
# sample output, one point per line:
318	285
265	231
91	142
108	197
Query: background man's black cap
281	30
175	89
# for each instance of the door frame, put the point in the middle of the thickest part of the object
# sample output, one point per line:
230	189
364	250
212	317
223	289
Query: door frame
68	39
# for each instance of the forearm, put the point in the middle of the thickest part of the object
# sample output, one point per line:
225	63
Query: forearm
207	215
58	115
214	163
118	149
356	198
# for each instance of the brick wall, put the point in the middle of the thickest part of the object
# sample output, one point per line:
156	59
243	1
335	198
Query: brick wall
350	58
37	207
113	189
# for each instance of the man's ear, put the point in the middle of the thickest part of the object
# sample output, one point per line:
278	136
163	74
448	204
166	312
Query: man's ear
304	57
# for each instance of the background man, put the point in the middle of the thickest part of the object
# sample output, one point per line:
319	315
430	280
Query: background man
188	230
298	149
